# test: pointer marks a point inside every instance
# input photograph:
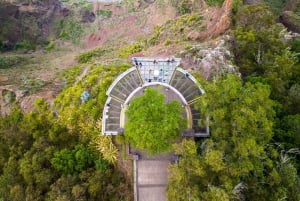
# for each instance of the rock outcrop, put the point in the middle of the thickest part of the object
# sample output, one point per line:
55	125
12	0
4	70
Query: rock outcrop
290	16
218	24
30	22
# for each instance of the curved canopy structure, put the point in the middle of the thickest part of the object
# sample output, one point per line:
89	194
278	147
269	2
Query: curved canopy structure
150	72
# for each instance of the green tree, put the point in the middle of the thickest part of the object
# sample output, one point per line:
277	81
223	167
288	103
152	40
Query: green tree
240	124
263	55
73	161
257	40
30	142
153	125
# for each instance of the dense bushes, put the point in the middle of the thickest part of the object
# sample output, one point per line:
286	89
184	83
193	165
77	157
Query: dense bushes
130	49
87	56
253	150
48	155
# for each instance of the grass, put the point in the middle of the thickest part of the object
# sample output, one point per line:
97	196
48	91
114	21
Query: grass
176	31
9	61
38	68
105	13
91	54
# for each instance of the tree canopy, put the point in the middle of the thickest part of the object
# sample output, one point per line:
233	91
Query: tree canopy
61	155
152	124
238	161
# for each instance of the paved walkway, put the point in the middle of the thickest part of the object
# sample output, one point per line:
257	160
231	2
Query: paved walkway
151	176
152	179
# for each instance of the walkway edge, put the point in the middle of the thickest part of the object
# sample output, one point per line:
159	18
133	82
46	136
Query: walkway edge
135	181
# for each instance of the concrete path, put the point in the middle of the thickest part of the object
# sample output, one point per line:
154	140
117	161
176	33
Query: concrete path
151	176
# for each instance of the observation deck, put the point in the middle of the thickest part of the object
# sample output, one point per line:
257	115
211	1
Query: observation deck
152	72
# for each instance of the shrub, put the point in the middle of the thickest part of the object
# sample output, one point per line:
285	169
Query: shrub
71	29
105	13
32	85
9	96
295	47
25	45
214	2
167	42
8	61
50	46
87	56
120	139
1	45
130	49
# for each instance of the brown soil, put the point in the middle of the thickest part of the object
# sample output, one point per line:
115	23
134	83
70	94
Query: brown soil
126	27
218	22
3	79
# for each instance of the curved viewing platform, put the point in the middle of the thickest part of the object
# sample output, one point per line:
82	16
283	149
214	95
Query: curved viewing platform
175	83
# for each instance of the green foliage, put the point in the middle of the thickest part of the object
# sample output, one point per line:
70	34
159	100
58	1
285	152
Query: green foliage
237	161
8	61
257	40
106	147
105	13
101	164
214	2
129	50
184	173
98	81
120	139
25	45
185	6
237	4
8	96
289	131
32	85
74	161
176	30
50	46
1	45
263	56
71	29
276	5
243	115
151	124
295	47
48	155
71	74
89	55
154	38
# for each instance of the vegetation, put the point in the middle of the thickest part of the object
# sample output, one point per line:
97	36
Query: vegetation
152	125
31	85
175	31
105	13
71	29
130	49
8	61
57	156
89	55
262	56
56	152
253	152
238	161
214	2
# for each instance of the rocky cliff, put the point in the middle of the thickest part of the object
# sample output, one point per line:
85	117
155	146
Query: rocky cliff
28	22
290	16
